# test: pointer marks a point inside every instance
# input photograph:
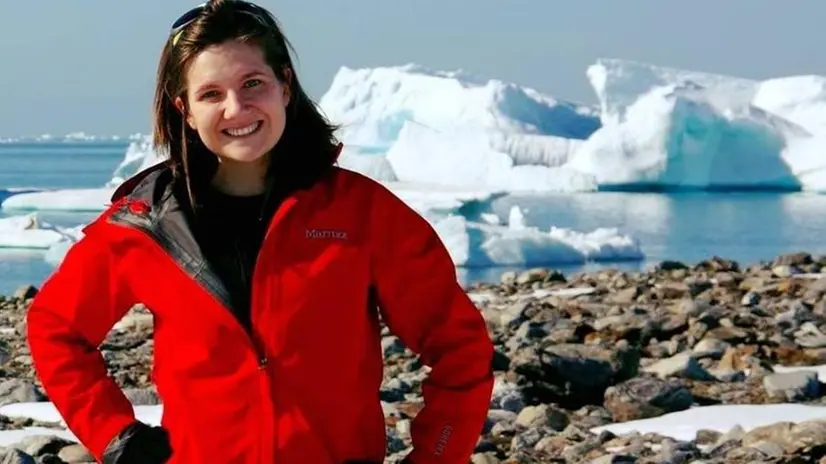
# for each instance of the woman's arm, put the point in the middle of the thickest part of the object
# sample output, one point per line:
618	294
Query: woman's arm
67	321
422	302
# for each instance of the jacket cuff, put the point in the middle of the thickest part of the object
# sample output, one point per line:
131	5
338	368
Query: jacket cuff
114	450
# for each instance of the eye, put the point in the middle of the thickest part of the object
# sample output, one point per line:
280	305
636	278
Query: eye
252	83
209	94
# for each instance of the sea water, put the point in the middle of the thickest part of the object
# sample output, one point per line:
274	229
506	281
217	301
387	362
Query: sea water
747	227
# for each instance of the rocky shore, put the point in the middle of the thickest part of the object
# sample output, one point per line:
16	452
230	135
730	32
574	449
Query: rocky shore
575	354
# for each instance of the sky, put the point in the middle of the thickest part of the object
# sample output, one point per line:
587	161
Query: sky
89	65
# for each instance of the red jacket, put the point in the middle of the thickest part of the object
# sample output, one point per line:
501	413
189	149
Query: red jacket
304	387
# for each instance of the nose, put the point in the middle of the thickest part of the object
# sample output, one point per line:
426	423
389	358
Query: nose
234	105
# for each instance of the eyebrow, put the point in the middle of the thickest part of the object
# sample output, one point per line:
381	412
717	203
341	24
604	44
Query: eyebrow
244	77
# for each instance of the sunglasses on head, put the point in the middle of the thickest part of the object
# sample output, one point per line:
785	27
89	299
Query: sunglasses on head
190	16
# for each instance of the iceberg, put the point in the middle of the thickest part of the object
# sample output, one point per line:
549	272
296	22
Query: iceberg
669	129
28	232
373	104
691	138
427	156
480	244
393	118
73	200
620	83
800	99
139	156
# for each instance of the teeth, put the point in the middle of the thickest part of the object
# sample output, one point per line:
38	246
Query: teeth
243	130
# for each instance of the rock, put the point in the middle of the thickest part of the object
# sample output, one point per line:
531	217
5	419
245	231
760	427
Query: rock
793	259
508	277
573	374
792	386
19	391
682	365
614	459
39	445
25	292
484	458
628	295
768	449
514	315
542	415
672	290
642	398
707	437
710	347
785	270
75	454
677	452
750	299
392	345
15	456
538	275
143	396
670	266
790	436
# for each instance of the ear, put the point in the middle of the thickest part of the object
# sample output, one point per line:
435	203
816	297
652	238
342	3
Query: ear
287	80
179	103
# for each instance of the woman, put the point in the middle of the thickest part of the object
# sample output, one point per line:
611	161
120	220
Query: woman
267	269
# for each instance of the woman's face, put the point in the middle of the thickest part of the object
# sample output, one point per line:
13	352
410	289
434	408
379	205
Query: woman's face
235	102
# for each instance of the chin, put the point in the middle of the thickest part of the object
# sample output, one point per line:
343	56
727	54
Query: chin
243	156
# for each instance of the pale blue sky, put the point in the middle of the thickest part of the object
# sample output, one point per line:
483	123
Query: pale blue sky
89	65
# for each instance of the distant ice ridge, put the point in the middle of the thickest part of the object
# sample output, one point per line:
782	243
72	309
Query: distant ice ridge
71	137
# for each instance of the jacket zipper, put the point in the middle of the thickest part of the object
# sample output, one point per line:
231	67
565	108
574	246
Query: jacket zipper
268	435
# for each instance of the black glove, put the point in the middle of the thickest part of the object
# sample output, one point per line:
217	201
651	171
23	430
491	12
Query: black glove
139	444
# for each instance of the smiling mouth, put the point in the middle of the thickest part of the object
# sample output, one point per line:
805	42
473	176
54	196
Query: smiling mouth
243	131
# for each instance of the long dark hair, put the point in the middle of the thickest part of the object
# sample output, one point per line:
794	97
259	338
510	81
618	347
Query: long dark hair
307	148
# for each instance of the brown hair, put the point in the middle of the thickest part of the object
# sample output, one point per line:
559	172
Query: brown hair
307	148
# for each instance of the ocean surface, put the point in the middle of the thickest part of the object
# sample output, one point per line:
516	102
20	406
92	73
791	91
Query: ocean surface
747	227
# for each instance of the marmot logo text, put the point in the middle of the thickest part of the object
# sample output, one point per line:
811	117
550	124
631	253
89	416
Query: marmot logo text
326	233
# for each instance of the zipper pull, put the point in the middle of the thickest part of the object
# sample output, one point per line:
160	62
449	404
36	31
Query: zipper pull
262	362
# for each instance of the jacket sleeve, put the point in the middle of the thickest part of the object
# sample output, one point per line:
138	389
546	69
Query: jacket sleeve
66	322
423	304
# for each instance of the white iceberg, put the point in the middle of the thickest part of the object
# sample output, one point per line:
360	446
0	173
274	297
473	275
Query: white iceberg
397	123
428	156
373	104
694	138
665	128
486	244
28	232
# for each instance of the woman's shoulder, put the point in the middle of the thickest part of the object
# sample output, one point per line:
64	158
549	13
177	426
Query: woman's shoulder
368	194
135	199
356	183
